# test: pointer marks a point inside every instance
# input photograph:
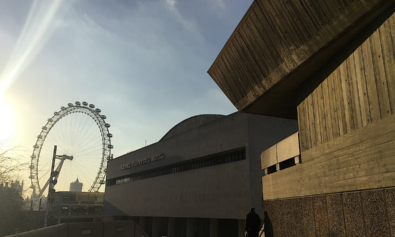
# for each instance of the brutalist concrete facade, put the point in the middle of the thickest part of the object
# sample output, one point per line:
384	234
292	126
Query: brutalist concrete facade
199	181
331	65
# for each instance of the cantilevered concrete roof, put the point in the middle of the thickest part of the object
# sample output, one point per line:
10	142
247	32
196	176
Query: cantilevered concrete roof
280	43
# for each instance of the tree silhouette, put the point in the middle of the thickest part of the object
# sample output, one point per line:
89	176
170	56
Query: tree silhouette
13	214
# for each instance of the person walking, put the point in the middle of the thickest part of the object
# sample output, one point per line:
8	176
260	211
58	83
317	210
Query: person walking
253	223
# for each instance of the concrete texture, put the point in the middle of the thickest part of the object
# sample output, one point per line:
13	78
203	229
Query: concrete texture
288	148
101	229
374	207
60	230
355	89
308	217
335	216
283	150
359	213
390	199
279	43
360	160
321	216
90	229
353	214
118	229
269	157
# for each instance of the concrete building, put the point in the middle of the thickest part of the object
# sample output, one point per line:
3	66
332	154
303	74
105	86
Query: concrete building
329	64
200	179
77	207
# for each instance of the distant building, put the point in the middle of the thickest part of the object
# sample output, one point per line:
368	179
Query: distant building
76	186
15	185
77	207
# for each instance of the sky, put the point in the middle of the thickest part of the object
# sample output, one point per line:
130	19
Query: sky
142	62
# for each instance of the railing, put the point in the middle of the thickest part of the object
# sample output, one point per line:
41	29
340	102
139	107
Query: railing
283	155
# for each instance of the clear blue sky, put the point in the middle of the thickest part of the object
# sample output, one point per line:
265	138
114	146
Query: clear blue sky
143	63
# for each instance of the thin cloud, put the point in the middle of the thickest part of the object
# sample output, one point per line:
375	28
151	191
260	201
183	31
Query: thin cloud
34	35
171	4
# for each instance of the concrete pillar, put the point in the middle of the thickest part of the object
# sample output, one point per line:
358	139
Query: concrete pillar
241	228
213	228
171	228
142	222
155	226
189	227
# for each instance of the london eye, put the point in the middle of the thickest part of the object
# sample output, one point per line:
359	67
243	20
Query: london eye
83	145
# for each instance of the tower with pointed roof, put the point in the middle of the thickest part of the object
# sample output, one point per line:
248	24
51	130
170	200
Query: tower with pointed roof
76	186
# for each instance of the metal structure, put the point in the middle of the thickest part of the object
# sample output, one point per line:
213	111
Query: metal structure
80	131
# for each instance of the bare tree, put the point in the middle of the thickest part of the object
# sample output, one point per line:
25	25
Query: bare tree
13	215
10	162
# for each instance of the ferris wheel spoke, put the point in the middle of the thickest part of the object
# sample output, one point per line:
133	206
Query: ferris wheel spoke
64	135
83	140
85	128
76	130
89	138
69	129
90	148
52	139
79	128
80	171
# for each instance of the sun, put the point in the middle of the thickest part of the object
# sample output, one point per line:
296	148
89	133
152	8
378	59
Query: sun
6	119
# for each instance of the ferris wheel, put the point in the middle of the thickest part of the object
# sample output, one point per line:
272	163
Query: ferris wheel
83	146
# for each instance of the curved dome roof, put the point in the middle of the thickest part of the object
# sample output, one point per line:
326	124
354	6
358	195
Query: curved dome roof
191	123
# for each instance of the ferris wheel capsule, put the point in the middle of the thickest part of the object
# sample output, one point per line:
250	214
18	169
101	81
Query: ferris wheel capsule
49	120
62	108
110	146
109	135
36	146
97	110
39	136
33	156
56	113
92	106
31	166
102	182
85	103
44	128
103	116
70	104
77	103
107	125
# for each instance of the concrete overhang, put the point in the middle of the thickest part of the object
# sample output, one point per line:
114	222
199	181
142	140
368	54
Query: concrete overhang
280	43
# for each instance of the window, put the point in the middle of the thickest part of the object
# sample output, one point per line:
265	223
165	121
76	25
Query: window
223	158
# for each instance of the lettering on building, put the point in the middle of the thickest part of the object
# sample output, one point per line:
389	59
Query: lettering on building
143	161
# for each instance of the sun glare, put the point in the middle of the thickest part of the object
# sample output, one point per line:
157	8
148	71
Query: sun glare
6	119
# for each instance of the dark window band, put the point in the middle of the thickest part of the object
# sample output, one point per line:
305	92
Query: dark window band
217	159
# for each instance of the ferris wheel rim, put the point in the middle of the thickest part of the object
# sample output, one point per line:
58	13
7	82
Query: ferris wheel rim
51	122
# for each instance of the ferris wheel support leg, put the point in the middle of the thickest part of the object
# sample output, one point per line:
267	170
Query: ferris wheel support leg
51	186
49	180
